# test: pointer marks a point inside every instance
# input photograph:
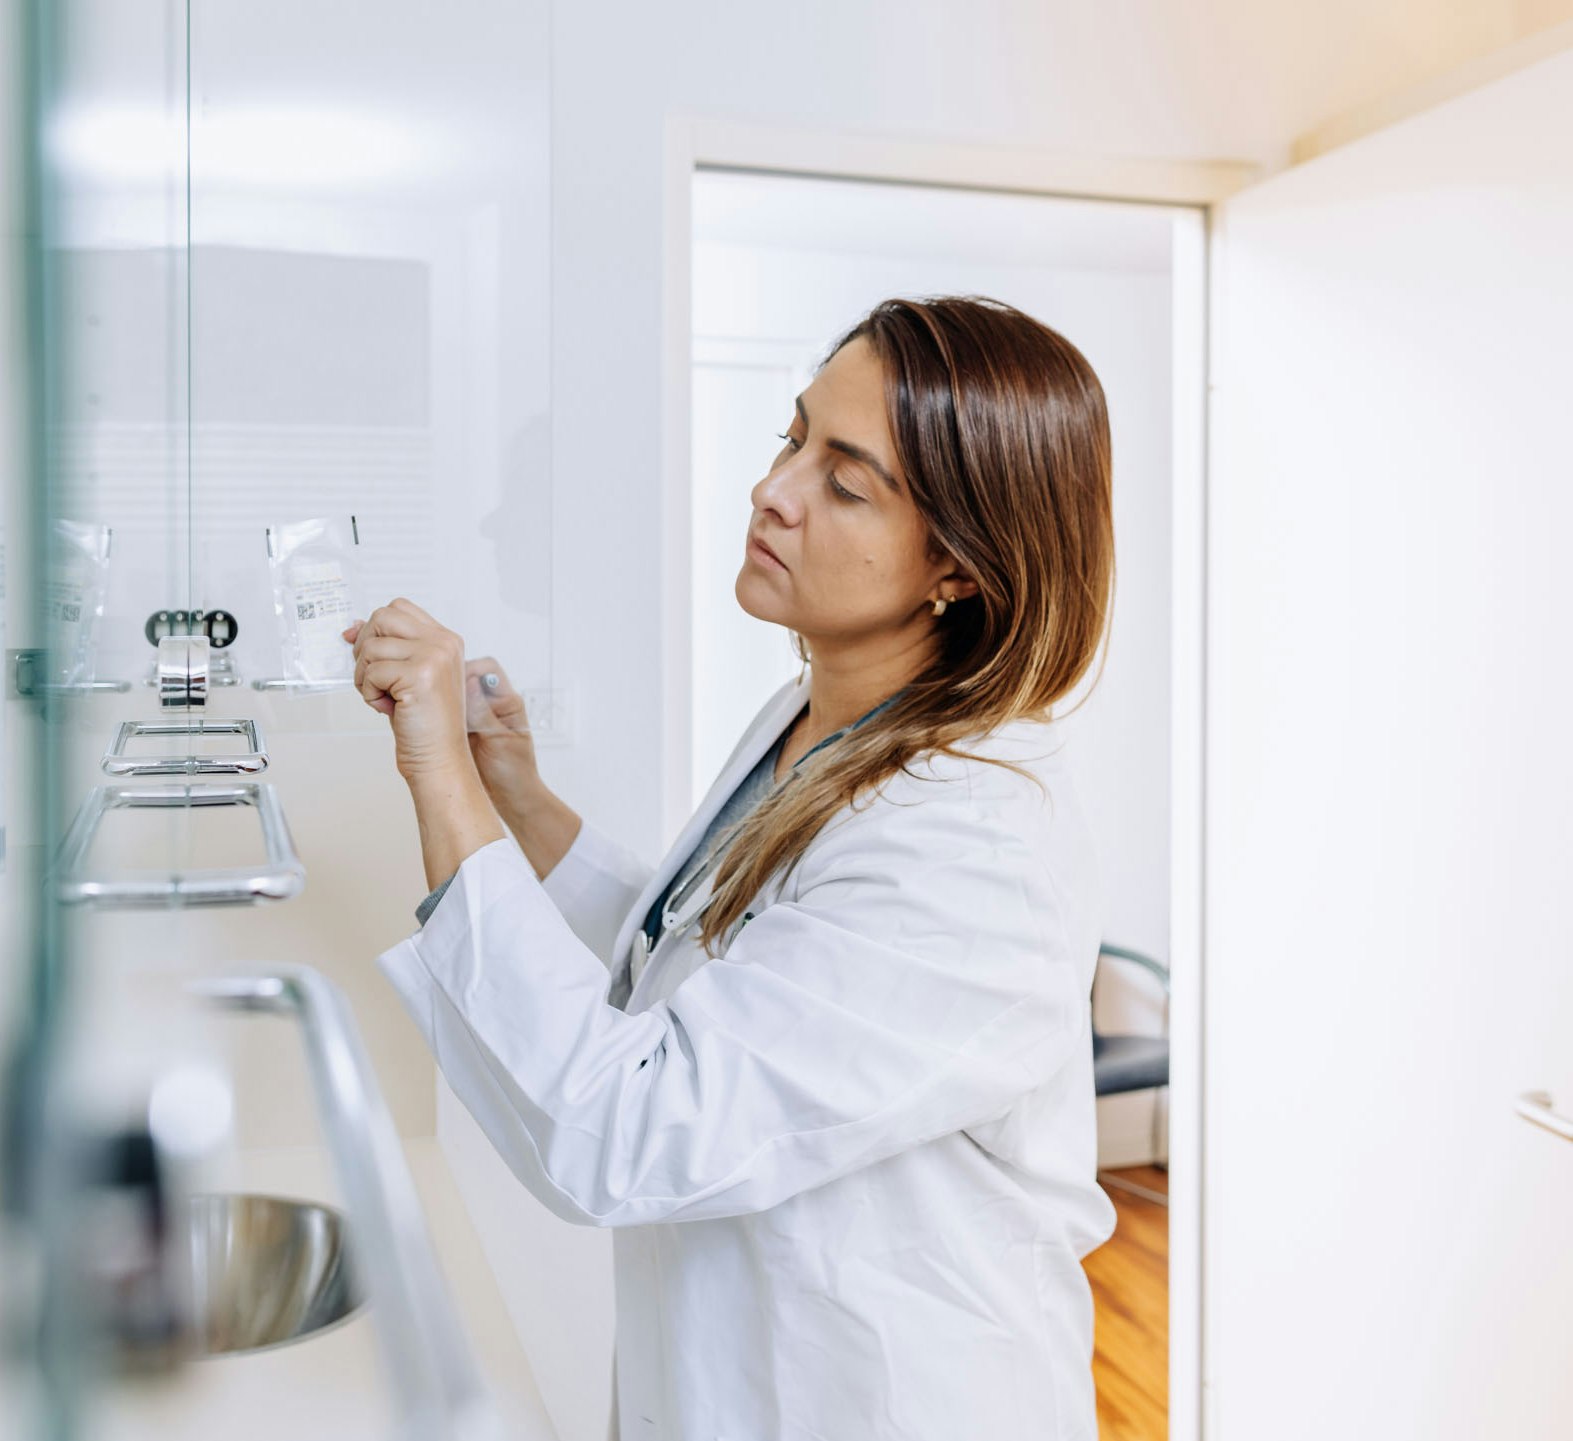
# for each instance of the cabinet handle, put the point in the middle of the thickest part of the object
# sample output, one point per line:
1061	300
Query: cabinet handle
183	672
1537	1106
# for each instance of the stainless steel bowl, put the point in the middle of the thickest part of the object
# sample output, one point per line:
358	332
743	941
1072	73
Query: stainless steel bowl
266	1271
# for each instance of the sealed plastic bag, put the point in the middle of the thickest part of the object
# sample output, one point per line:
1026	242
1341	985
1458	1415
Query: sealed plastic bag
74	586
316	593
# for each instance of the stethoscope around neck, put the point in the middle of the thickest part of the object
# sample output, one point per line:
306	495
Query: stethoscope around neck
681	909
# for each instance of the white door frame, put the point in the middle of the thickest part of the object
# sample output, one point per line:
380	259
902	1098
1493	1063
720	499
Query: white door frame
693	143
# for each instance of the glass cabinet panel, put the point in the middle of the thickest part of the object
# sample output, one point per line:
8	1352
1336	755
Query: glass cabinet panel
97	513
284	319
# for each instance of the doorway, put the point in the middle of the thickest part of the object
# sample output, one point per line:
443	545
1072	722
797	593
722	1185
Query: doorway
780	265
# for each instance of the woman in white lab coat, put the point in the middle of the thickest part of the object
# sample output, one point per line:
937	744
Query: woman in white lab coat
827	1069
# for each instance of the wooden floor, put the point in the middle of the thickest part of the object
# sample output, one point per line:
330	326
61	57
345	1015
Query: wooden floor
1130	1289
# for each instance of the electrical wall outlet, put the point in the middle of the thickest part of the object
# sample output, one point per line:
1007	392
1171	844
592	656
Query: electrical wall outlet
550	712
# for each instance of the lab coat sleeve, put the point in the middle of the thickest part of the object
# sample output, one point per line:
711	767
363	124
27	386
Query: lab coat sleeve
593	886
919	981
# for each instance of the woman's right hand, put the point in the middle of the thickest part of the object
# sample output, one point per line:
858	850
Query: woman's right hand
499	729
504	752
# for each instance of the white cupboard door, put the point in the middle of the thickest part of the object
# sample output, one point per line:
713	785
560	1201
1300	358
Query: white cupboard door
1387	1246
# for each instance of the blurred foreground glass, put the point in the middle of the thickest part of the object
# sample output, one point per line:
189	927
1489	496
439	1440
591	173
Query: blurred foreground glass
94	319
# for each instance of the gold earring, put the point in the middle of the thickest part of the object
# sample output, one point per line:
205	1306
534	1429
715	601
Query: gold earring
939	606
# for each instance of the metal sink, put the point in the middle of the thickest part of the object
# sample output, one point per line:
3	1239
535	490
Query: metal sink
266	1271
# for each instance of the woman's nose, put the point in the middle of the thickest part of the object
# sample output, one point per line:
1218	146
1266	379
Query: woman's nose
779	493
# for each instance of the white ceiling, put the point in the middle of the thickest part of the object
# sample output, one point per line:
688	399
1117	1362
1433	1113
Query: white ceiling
429	95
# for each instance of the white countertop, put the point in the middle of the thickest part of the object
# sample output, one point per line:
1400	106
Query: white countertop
331	1385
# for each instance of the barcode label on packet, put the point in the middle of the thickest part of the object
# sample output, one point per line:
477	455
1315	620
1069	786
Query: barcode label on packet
320	594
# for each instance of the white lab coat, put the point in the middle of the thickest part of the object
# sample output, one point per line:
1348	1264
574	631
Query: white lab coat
852	1159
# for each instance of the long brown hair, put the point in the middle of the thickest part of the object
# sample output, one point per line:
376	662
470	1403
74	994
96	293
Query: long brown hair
1002	433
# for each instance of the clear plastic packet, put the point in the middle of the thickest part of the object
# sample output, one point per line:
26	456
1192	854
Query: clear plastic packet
73	596
316	593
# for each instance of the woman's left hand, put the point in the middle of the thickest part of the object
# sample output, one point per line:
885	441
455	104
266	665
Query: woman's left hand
412	669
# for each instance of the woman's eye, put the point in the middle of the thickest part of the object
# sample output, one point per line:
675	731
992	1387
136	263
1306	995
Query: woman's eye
836	487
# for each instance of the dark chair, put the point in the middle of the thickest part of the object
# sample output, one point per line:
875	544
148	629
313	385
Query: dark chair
1131	1063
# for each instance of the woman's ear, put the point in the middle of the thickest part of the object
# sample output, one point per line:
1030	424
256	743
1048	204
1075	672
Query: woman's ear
958	585
952	580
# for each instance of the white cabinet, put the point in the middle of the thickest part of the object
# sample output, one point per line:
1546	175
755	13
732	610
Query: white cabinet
1389	919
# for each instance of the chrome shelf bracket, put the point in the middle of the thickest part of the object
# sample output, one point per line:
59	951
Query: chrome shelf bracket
281	877
247	762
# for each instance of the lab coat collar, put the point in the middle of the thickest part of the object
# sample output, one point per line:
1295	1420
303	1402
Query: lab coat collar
766	729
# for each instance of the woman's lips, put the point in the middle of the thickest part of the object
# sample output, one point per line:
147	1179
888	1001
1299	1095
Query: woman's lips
760	551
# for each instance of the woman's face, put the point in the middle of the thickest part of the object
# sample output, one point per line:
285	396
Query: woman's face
836	548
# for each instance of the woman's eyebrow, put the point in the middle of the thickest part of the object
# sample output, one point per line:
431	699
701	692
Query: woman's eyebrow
855	452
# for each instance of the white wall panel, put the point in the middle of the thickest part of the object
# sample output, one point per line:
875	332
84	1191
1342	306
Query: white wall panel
1388	909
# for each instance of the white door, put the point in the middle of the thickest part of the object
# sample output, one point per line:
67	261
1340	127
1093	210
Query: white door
1389	896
